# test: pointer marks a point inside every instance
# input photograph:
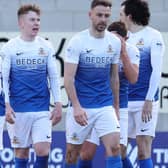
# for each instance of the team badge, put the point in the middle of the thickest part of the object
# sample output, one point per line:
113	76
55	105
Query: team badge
42	52
140	42
109	50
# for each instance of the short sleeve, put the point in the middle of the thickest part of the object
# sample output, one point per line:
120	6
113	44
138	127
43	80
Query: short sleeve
72	51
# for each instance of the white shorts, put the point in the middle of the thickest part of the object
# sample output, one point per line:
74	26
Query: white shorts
103	120
124	126
30	128
136	126
123	129
2	122
93	137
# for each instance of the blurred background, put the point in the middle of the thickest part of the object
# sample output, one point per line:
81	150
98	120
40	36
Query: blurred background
72	15
60	19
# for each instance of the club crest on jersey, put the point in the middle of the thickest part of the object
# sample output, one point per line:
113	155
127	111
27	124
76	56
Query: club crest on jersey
109	50
42	52
15	140
140	42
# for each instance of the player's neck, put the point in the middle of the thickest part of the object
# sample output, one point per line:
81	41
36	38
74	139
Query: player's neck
27	38
96	34
136	28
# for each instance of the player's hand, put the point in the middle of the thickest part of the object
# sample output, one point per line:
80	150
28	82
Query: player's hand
10	114
147	111
80	116
56	114
123	47
123	44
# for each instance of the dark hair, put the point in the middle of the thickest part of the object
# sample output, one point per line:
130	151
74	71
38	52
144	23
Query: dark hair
24	9
105	3
119	27
139	11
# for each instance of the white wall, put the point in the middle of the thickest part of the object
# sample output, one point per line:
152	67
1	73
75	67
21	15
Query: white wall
72	15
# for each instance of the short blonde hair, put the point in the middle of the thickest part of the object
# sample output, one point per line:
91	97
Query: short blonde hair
24	9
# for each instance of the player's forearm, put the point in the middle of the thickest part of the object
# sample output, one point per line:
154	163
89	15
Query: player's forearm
6	90
131	70
156	64
54	79
153	84
115	90
5	76
7	105
71	91
55	88
6	67
116	102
